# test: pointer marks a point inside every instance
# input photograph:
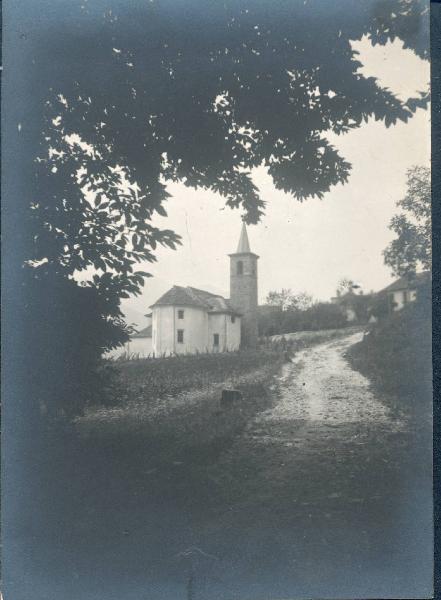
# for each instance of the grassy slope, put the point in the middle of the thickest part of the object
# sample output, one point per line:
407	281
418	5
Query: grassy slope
396	356
303	339
170	407
148	379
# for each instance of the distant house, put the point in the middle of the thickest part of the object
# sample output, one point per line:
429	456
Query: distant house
347	303
405	290
354	307
140	343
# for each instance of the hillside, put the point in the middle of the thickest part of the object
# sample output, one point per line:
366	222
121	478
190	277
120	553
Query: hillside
396	356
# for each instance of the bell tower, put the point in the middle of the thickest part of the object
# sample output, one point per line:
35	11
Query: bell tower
243	288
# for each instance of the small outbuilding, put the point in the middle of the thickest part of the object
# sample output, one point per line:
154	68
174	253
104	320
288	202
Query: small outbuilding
140	343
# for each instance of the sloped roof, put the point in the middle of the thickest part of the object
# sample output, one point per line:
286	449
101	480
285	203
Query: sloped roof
190	296
178	295
244	244
405	283
215	302
203	294
144	333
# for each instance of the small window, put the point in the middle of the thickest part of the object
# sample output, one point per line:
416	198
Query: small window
216	339
180	314
233	319
180	336
240	267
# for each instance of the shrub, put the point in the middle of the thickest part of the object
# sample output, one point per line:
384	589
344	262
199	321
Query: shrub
322	315
65	328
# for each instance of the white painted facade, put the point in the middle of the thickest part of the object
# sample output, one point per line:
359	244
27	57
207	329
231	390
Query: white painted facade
351	315
141	347
399	298
227	327
189	329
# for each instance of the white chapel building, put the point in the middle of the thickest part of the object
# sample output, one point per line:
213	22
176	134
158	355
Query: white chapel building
190	320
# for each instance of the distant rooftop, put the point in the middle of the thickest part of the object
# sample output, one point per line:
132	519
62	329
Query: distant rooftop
144	333
404	283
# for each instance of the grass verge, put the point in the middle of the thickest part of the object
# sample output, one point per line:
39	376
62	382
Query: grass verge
396	356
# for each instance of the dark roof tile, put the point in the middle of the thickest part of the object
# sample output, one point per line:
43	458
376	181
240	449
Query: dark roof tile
190	296
178	295
404	283
146	332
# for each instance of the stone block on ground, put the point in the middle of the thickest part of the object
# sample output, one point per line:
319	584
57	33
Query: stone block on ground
230	397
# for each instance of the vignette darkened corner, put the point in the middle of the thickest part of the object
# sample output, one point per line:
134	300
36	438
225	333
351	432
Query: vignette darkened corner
217	320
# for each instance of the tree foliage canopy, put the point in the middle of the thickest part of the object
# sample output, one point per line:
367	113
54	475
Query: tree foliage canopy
286	299
345	285
411	250
274	319
199	93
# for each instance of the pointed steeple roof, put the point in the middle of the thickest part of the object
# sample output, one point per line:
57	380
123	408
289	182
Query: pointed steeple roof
244	244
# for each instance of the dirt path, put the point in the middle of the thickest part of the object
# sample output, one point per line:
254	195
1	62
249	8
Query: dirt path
320	390
324	411
327	488
324	495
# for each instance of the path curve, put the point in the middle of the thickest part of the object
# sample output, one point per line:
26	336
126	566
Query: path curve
323	485
320	386
325	419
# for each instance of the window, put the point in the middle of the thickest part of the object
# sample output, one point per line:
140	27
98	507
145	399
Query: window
392	303
240	267
180	336
216	339
180	314
233	319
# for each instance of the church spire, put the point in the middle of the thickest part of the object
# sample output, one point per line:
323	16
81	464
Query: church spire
244	244
243	288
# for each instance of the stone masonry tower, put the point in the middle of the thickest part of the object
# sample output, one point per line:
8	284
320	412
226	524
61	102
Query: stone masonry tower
243	288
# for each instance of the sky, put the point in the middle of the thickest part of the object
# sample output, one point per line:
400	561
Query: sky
305	246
